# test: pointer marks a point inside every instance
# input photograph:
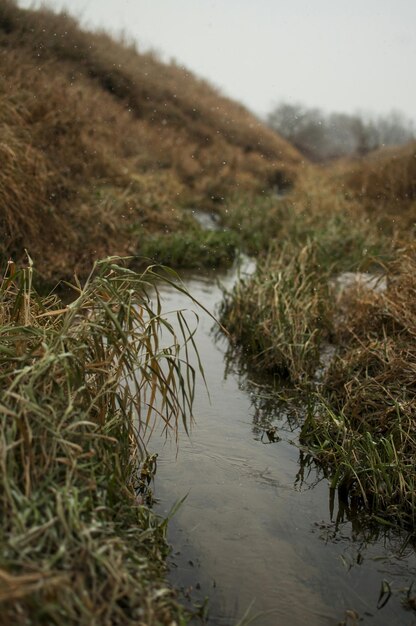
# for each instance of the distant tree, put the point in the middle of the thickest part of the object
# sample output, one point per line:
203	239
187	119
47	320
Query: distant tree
322	137
300	125
394	128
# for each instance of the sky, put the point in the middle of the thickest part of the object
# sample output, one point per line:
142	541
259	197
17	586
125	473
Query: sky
338	55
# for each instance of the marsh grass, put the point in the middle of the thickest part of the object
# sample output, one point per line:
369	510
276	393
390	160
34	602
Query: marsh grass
196	249
363	432
256	218
314	209
361	427
384	183
374	470
81	386
279	315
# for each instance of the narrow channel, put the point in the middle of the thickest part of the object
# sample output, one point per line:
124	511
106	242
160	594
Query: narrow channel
251	533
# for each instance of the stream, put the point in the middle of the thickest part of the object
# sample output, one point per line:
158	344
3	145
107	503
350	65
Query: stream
258	529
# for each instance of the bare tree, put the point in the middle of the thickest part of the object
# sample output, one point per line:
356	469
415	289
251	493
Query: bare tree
322	137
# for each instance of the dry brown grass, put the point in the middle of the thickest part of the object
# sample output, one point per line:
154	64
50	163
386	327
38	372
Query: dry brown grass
168	96
363	433
384	183
69	187
98	138
374	376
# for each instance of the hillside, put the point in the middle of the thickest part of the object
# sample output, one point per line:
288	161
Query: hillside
102	144
383	183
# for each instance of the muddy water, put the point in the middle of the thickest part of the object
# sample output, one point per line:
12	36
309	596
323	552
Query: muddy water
251	533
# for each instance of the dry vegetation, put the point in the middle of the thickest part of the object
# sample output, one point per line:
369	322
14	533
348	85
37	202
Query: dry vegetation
357	217
101	150
364	435
384	183
281	313
102	144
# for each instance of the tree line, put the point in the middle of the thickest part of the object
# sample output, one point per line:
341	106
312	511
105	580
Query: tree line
322	137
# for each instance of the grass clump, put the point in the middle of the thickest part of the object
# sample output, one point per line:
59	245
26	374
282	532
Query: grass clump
257	219
194	250
81	387
365	433
280	314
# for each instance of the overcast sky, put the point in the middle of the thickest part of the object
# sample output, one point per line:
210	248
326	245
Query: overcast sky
339	55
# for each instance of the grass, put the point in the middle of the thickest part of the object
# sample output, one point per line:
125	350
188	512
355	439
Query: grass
191	250
374	470
386	175
103	158
104	148
314	209
280	314
364	431
257	219
361	426
100	139
81	387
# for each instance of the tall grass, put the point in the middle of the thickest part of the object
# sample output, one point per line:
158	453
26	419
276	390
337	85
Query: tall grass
314	209
373	468
364	432
81	386
384	183
281	313
196	249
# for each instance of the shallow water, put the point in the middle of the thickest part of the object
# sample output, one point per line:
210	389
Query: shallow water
252	534
208	220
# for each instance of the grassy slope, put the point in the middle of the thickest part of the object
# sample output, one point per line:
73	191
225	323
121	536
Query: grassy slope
102	144
384	183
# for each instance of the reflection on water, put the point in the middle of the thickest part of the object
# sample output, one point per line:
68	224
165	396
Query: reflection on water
260	526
